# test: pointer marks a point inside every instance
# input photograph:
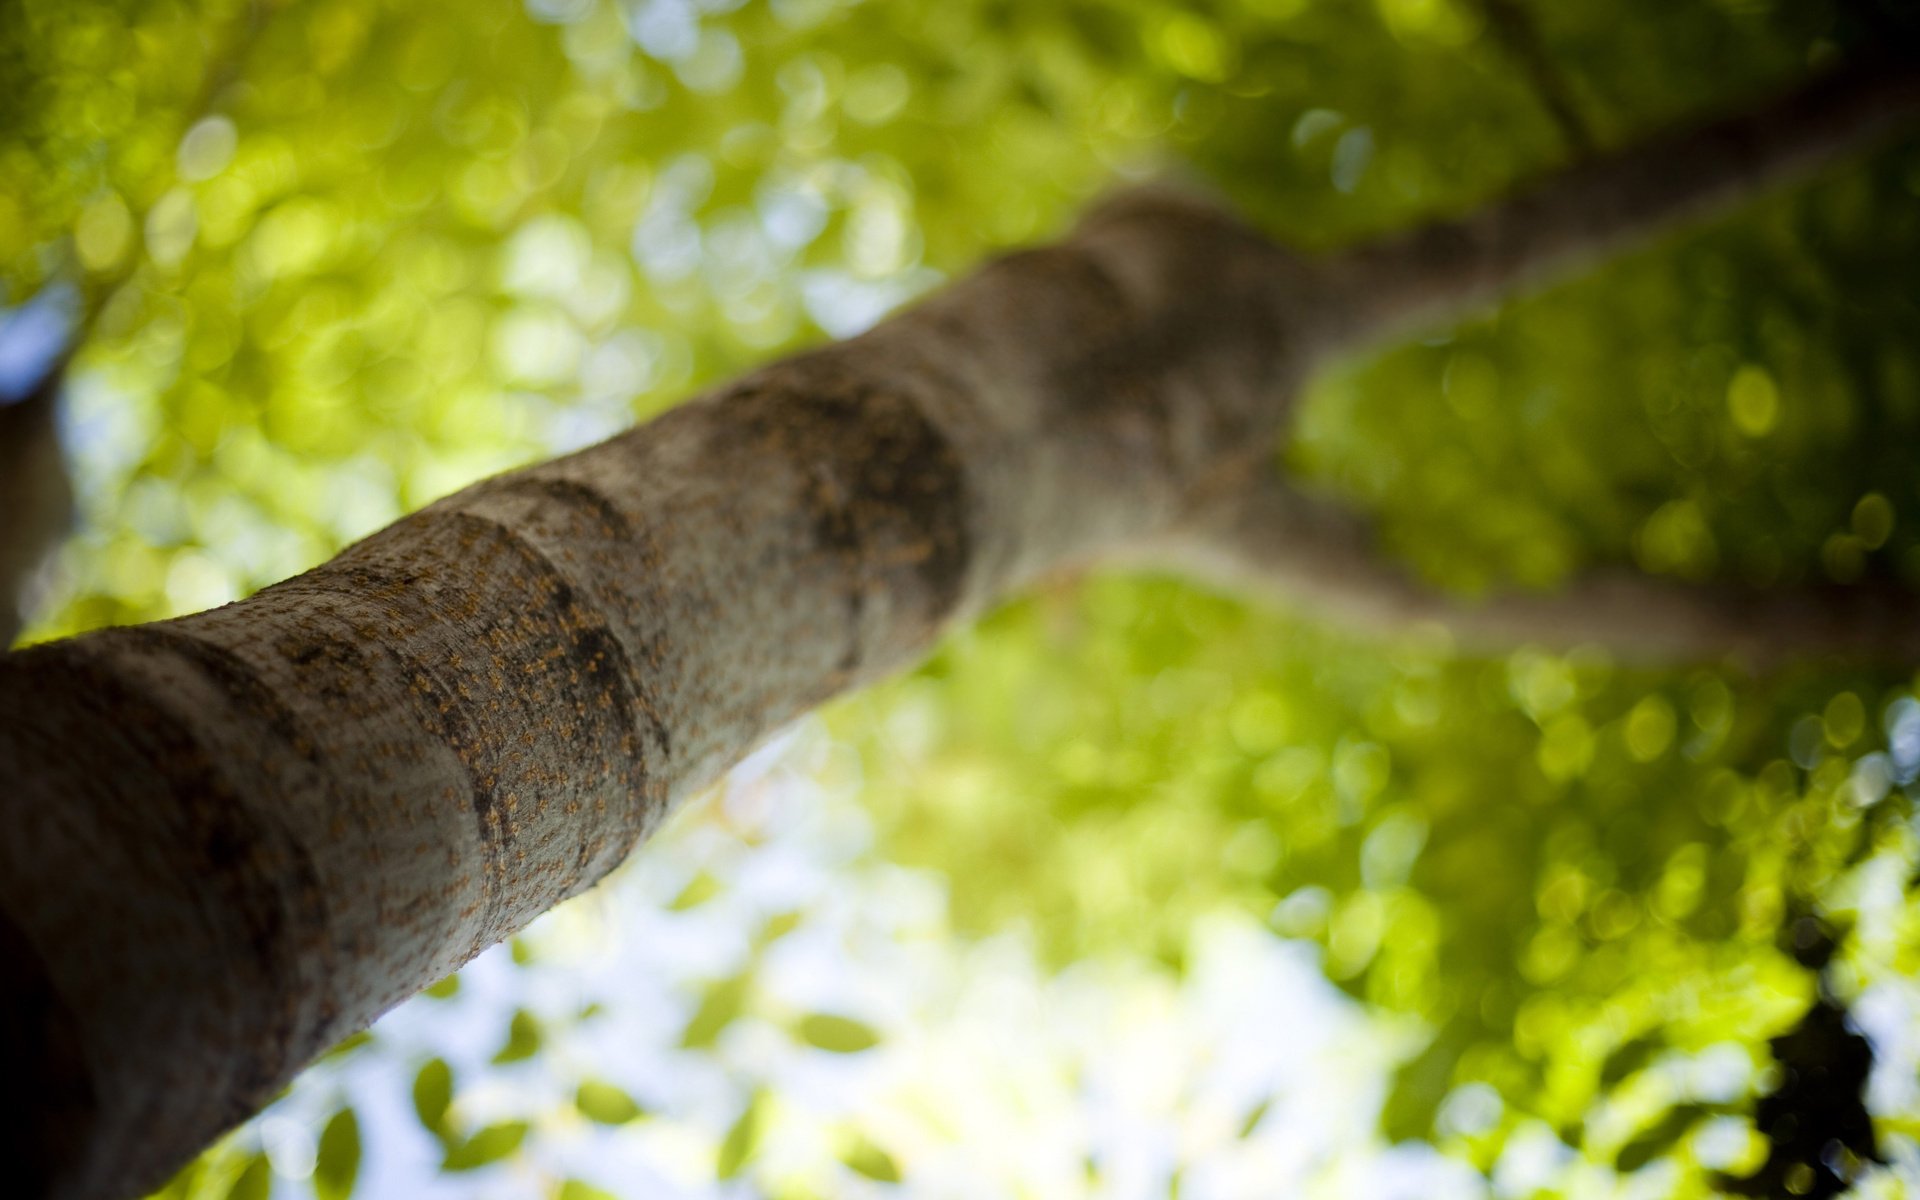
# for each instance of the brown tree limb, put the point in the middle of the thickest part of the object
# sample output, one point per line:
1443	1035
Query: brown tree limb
1513	25
1392	287
1266	537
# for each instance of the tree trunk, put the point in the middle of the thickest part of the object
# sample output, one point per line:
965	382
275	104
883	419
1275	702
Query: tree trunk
237	837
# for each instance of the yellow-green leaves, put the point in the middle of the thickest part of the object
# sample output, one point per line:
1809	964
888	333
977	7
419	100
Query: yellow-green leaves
337	1159
604	1104
838	1034
255	1181
742	1139
484	1148
719	1005
524	1036
865	1158
433	1094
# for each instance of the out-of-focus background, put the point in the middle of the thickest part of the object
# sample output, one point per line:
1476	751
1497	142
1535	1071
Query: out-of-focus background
1132	891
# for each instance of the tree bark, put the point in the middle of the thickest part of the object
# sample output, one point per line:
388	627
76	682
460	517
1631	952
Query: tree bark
234	838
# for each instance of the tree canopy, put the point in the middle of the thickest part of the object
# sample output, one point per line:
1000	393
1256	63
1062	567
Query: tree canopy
1133	889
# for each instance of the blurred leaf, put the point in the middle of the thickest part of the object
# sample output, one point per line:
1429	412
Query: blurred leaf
841	1035
1661	1137
433	1095
255	1181
870	1160
605	1104
337	1161
523	1038
1629	1057
575	1189
722	1002
446	989
700	889
741	1140
778	926
486	1147
1419	1086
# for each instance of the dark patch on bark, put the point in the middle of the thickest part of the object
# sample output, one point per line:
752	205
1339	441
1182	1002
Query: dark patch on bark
229	674
225	848
47	1103
885	489
593	651
574	494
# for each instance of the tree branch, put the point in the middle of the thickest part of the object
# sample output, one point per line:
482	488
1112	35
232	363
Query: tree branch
1267	537
1386	289
1514	27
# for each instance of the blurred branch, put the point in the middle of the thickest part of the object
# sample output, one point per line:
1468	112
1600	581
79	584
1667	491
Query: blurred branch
1393	286
1513	25
1266	536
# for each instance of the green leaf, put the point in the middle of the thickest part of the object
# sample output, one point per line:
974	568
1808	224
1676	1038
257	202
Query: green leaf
722	1003
255	1181
337	1163
523	1038
486	1147
1420	1084
1253	1118
575	1189
778	926
870	1160
433	1095
1660	1138
702	888
1629	1057
446	989
740	1141
605	1104
841	1035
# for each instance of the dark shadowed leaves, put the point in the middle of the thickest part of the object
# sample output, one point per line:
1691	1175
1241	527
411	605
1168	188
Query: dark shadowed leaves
1660	1137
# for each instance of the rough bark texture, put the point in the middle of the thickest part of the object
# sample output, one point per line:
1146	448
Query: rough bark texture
234	838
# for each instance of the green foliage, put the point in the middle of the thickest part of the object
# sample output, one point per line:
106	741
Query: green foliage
871	1161
335	259
337	1159
841	1035
523	1039
724	1000
605	1104
486	1147
433	1095
255	1181
741	1141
